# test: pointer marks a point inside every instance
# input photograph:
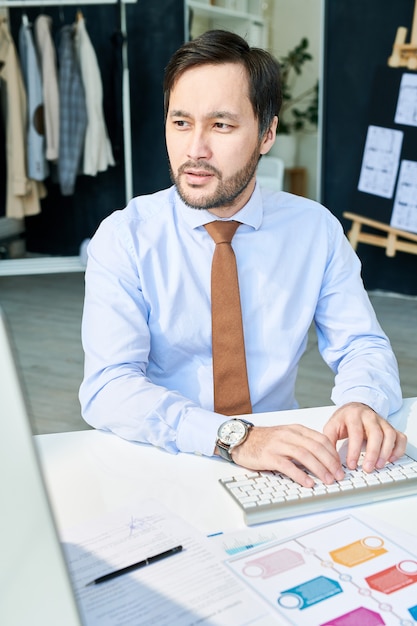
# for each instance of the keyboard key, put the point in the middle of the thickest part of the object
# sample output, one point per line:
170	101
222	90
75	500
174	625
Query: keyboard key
372	480
306	493
332	488
278	499
248	499
385	478
399	477
249	505
346	486
244	483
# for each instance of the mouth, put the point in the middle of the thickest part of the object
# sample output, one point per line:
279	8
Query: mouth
196	177
198	174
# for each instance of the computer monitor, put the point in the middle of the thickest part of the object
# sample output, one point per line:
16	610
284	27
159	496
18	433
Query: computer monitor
35	586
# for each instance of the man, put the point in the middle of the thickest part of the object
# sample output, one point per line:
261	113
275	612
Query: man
147	316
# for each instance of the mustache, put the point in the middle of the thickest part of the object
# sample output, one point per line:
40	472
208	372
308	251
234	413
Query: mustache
200	166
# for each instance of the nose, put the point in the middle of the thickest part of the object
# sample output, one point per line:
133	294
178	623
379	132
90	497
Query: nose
199	145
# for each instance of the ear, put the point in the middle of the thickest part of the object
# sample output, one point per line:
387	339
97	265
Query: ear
269	137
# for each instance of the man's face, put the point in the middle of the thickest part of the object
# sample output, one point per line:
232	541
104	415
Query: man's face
212	138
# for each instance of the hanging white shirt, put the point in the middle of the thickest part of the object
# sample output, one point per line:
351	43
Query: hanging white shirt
98	154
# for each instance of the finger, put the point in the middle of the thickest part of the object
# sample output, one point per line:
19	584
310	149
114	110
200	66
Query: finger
384	443
334	432
373	450
298	475
356	436
399	448
393	446
315	451
320	460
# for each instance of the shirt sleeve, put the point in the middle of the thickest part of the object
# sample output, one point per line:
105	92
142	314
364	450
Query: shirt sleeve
350	338
116	394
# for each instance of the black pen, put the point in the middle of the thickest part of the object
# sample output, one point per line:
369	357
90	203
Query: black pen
130	568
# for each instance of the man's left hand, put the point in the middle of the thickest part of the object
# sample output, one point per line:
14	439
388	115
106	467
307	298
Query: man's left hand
361	424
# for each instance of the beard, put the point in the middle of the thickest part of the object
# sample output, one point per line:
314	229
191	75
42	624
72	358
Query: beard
228	190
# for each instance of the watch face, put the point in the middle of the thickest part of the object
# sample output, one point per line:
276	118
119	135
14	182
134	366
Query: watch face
232	432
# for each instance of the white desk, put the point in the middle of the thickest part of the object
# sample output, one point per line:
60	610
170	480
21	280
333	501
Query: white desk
89	473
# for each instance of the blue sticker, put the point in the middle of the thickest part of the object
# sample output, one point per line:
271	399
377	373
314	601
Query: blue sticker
309	593
413	612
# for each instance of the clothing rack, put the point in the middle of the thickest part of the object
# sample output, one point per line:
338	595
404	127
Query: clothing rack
71	264
127	141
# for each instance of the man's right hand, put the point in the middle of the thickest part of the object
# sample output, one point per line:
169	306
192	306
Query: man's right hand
284	448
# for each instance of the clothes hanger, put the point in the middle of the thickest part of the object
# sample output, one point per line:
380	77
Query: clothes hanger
61	13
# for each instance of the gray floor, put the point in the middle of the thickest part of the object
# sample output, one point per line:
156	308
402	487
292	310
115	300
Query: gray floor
44	314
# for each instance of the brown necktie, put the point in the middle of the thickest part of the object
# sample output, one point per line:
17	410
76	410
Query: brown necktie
231	389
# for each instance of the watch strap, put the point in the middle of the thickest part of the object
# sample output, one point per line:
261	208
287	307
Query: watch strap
224	451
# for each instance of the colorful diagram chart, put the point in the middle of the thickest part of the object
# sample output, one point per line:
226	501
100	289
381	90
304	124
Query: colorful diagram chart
343	573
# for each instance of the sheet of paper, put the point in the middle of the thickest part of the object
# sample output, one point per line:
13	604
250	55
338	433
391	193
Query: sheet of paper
380	161
343	572
406	111
192	587
404	212
232	543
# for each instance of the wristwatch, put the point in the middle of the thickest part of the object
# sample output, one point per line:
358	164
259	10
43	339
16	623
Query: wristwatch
231	434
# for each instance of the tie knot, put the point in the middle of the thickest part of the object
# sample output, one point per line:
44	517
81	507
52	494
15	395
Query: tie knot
222	232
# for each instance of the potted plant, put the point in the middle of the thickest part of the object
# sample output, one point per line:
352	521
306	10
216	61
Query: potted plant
299	113
305	118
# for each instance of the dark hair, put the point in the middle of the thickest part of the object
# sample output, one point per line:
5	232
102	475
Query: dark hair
220	46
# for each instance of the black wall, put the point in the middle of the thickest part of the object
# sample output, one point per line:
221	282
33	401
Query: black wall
155	31
359	35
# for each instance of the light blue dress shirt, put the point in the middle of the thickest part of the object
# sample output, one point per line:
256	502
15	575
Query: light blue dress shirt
147	322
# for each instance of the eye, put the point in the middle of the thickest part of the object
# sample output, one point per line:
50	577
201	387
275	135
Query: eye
181	124
223	126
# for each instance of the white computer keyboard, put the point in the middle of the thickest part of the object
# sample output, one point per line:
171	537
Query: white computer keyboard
270	496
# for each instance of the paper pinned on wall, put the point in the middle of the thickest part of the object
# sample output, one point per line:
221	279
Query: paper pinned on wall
406	112
380	161
404	213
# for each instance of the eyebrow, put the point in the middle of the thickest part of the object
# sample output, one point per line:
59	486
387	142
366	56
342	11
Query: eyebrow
224	115
213	115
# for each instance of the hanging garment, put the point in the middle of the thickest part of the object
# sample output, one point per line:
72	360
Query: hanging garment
36	154
49	73
23	195
97	148
72	112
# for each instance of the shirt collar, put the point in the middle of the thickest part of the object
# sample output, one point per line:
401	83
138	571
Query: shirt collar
250	214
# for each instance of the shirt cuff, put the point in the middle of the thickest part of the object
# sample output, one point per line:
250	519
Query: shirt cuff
198	431
372	398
